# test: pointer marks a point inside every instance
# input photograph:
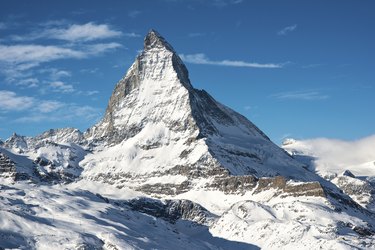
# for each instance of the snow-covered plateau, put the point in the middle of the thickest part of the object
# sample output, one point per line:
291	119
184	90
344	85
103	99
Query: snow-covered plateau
168	167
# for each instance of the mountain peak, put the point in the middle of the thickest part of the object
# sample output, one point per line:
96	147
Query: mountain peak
154	40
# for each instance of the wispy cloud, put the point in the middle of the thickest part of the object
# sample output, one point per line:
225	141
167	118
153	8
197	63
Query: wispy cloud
15	60
310	66
27	82
73	33
195	34
84	32
287	30
223	3
300	95
61	87
55	74
36	53
134	13
3	26
100	48
132	34
35	110
48	106
92	92
248	107
203	59
10	101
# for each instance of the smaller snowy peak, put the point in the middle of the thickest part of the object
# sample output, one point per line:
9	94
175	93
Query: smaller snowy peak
62	135
16	142
154	40
348	173
288	141
21	144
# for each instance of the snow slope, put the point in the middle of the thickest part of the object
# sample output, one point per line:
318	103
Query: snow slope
64	217
77	216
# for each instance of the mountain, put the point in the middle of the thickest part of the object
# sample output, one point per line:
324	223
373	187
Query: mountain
169	167
163	131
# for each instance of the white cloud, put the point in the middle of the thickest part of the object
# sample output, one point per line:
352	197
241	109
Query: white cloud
61	87
287	30
203	59
73	33
49	106
10	101
100	48
35	53
54	73
30	55
44	110
60	73
300	95
84	32
28	82
16	61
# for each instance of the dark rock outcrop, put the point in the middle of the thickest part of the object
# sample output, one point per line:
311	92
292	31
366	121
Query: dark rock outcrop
172	210
7	167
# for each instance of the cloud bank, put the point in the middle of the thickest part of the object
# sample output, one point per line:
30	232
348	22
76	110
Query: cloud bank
336	156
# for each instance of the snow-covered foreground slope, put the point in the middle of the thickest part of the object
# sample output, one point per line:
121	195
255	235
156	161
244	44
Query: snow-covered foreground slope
67	217
87	215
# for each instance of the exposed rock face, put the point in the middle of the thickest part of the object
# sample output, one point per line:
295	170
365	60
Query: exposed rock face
7	167
359	190
172	210
288	188
246	183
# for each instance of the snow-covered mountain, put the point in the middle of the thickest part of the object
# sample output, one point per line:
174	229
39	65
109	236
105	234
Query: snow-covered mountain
168	167
158	129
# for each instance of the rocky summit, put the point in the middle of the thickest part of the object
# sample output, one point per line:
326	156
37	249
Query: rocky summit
169	167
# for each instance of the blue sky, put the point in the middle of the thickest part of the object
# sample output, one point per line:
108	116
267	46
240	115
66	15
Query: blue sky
301	69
